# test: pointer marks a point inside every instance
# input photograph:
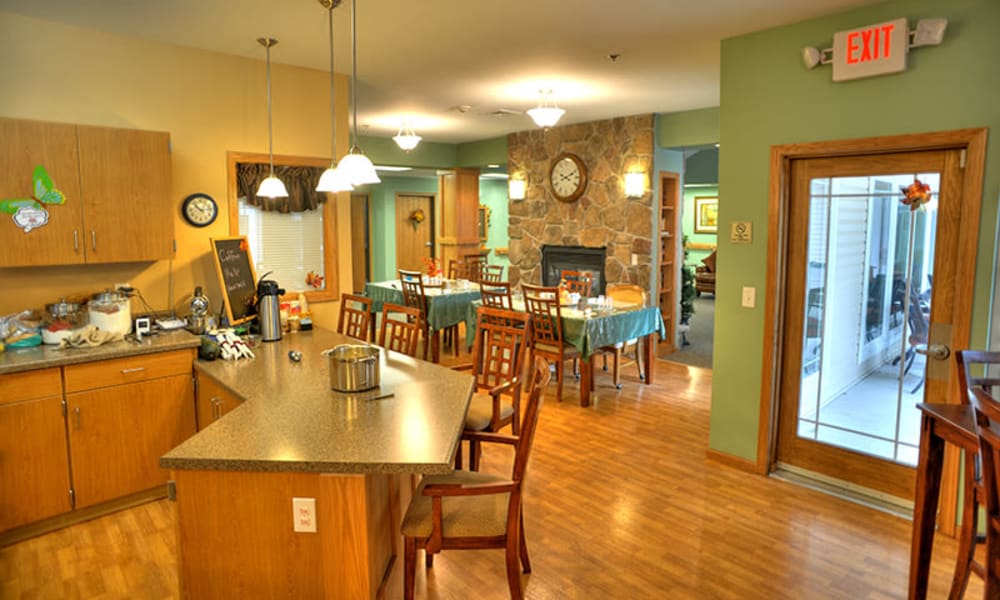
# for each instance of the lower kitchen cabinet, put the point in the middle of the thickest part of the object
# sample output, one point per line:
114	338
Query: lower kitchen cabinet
34	472
213	400
117	435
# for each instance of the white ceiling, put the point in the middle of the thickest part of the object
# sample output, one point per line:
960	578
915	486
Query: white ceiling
419	59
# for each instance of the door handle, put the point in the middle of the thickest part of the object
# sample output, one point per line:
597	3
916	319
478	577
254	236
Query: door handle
76	411
935	351
428	244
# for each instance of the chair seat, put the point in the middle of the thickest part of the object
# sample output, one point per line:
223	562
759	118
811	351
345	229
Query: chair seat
567	349
481	411
461	516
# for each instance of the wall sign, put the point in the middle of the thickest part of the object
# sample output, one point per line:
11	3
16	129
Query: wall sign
237	277
870	50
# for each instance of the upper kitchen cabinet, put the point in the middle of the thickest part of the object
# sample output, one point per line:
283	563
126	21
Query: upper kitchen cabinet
114	186
24	146
125	184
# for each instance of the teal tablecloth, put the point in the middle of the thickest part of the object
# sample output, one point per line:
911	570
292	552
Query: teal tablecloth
444	307
601	328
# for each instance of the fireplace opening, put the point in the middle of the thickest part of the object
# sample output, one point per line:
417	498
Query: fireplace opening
556	259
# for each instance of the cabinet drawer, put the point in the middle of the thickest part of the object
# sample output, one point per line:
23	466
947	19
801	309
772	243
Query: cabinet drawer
121	371
30	385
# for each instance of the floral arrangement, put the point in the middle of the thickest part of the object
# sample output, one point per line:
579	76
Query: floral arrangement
417	217
314	280
433	268
916	194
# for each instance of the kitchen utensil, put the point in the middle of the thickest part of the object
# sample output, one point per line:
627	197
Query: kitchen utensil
61	319
353	367
110	311
269	309
196	322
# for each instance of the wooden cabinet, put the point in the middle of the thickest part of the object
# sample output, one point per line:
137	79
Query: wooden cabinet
123	415
34	471
213	401
116	184
669	275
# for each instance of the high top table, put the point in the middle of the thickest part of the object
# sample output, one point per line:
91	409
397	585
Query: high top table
293	437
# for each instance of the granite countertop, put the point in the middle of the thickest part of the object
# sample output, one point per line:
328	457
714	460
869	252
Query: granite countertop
14	360
291	420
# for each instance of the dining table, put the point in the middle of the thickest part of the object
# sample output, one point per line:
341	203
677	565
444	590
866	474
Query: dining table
939	424
594	326
448	303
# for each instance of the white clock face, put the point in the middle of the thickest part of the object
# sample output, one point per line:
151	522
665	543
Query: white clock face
566	177
200	210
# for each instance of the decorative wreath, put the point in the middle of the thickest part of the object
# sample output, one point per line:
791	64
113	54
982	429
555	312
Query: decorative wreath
916	194
417	217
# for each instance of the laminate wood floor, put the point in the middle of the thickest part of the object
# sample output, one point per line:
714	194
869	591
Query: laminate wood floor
621	502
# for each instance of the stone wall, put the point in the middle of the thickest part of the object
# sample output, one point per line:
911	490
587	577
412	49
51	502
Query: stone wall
602	216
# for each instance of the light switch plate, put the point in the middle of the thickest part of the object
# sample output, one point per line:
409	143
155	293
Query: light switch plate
749	297
304	515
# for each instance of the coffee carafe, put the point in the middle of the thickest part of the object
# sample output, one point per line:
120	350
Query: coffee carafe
269	309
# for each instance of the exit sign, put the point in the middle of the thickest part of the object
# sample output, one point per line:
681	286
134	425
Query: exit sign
871	50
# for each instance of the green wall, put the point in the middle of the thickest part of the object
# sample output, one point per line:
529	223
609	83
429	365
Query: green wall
688	128
493	193
384	151
482	153
768	98
383	211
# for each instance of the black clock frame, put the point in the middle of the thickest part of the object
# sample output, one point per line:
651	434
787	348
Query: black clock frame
191	198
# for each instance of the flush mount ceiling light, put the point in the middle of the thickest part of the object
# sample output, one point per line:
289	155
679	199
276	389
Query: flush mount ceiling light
406	138
333	179
358	167
546	114
271	187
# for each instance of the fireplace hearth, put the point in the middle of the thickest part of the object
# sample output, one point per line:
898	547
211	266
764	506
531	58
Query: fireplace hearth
556	259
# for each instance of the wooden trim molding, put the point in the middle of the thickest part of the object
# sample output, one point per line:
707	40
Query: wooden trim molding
730	460
973	141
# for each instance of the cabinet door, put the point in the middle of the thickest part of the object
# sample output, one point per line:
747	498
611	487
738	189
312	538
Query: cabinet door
125	181
117	435
34	471
214	401
26	145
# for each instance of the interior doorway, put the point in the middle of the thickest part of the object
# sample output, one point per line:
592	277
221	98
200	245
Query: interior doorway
864	284
414	230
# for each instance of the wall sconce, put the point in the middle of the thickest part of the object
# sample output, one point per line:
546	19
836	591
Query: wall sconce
517	189
635	184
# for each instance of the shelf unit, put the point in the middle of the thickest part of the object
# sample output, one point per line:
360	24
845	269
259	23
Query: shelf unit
669	229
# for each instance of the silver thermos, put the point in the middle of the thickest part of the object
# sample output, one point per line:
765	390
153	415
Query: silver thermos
269	309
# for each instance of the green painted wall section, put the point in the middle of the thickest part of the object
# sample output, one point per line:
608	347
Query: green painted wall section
768	98
493	193
688	128
384	151
687	223
383	215
482	153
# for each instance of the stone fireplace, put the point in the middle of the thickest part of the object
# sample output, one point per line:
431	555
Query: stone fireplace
556	259
602	219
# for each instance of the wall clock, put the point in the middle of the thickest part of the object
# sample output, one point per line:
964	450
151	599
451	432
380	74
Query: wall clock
568	177
200	210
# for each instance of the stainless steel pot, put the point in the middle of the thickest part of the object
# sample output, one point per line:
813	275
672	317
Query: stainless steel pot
353	368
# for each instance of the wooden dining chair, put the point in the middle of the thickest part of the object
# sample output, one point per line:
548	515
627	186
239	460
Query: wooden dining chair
355	316
415	296
496	295
987	409
457	269
400	334
497	361
474	264
491	273
624	293
475	510
973	374
542	303
579	282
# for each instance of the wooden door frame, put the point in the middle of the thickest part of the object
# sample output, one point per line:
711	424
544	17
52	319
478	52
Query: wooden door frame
973	141
369	232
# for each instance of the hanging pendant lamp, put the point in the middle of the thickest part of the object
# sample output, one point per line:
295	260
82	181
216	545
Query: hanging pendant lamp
271	187
332	179
546	114
355	164
406	139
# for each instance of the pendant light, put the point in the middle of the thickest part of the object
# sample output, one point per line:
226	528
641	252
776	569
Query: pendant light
355	164
332	179
271	187
546	114
406	139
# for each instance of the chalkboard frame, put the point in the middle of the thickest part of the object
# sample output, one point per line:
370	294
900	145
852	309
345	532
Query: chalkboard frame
243	247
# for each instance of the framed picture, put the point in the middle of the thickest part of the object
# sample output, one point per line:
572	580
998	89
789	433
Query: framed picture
706	214
484	223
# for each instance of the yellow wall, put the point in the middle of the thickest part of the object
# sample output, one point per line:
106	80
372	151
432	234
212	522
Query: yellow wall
210	103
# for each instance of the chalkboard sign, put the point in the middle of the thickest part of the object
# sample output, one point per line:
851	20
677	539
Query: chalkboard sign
237	277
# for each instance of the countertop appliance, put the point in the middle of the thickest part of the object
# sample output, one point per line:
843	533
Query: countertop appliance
269	309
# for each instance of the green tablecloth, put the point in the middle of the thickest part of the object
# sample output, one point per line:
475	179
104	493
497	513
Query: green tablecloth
444	307
601	328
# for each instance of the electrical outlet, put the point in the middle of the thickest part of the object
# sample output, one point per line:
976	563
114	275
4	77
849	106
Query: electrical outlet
749	297
304	515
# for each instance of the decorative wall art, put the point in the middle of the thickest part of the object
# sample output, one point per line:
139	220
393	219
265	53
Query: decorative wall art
706	214
30	213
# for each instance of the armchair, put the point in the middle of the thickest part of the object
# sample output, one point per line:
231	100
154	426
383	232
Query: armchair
704	275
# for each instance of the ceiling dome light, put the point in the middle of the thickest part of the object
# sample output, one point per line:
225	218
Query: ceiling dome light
357	167
546	114
332	180
406	138
271	187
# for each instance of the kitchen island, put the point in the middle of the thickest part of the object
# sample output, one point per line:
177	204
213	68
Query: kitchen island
293	437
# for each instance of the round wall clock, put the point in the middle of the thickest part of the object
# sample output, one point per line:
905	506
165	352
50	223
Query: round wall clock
568	177
200	210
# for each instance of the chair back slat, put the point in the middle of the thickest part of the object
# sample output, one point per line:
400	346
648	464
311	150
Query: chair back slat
496	295
579	282
491	273
974	372
457	269
474	264
414	294
355	316
400	335
542	304
500	346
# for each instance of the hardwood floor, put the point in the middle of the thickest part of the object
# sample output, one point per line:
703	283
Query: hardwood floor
621	502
